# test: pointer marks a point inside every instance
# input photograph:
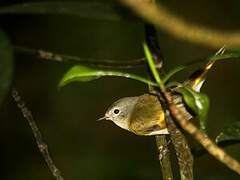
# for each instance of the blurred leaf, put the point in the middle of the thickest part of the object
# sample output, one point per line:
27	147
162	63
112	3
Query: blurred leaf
229	133
83	73
95	10
196	101
6	66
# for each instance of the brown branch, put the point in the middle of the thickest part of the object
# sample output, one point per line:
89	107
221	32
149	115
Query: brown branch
177	27
183	152
202	138
164	157
42	146
62	58
181	146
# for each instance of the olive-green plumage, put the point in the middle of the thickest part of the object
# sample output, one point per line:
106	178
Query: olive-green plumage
147	116
142	115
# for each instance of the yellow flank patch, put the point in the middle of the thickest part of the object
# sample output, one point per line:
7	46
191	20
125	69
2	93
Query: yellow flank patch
161	120
209	65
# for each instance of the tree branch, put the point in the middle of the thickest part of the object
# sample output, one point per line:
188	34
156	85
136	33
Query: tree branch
177	27
183	151
164	156
42	146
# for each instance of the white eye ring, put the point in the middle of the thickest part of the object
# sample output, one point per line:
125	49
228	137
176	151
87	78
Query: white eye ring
116	111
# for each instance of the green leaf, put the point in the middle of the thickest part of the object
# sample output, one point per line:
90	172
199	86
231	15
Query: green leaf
6	64
152	66
198	102
83	73
93	10
229	134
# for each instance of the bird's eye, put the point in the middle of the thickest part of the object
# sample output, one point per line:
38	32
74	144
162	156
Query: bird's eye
116	111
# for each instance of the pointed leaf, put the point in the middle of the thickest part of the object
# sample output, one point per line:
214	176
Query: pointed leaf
196	80
83	73
6	66
94	10
198	102
230	133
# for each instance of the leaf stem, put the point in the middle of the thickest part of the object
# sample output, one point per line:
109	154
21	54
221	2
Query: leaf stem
153	67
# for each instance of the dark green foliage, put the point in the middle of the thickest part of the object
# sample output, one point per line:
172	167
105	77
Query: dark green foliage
93	10
6	64
230	134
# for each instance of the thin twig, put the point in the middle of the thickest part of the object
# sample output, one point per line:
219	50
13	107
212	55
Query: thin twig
164	19
202	138
47	55
42	146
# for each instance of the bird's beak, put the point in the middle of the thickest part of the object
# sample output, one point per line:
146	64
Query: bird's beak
102	118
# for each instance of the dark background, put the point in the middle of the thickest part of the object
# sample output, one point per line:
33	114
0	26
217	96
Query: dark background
81	147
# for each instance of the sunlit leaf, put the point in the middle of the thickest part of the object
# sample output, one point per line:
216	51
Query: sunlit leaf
6	66
197	102
93	10
230	133
83	73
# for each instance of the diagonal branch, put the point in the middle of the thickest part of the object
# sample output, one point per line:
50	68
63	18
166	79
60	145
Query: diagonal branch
202	138
177	27
42	146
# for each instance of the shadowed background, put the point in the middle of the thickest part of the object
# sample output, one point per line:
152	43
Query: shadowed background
81	147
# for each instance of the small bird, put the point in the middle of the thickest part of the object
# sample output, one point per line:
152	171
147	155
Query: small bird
142	115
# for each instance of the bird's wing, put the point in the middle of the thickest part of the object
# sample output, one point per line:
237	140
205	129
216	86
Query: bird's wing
147	116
